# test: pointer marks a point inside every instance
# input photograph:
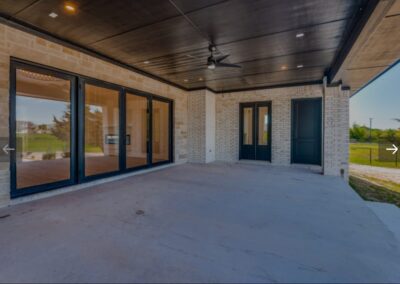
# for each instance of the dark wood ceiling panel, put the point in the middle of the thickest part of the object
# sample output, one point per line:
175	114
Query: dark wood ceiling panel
317	38
291	62
188	6
271	79
237	19
320	37
260	35
305	75
167	37
96	20
11	7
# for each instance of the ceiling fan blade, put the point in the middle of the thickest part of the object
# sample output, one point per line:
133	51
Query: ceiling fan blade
220	58
220	64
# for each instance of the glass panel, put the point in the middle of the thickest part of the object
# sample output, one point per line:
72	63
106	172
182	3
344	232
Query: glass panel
101	130
263	125
136	131
43	123
160	145
248	126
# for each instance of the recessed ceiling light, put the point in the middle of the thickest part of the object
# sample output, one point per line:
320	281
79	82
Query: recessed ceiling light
300	66
146	62
53	15
186	80
284	67
299	35
69	7
200	79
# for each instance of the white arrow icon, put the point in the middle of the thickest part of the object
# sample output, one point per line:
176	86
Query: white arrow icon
394	149
6	149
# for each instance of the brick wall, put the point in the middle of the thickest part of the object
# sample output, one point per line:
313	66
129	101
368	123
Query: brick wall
197	126
336	132
22	45
210	126
227	118
201	121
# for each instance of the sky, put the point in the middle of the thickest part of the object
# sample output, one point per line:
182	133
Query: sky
379	100
39	111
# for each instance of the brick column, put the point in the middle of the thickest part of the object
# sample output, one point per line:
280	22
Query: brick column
201	126
336	132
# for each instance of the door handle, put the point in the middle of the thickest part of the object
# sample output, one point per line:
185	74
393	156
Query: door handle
6	149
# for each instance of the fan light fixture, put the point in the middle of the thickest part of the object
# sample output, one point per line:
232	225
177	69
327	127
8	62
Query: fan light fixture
214	62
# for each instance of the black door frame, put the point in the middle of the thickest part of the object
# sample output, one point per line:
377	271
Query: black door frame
14	192
81	128
130	92
255	106
77	126
292	131
170	130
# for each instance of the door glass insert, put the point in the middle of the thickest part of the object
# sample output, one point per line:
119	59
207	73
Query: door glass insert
43	129
136	131
263	125
160	131
101	130
247	126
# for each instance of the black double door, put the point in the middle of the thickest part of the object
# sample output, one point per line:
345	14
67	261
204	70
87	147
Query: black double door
255	131
306	131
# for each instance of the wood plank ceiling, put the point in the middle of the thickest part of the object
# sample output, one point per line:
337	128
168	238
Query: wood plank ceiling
170	39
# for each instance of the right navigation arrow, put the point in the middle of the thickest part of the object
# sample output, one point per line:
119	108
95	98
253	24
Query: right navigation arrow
394	149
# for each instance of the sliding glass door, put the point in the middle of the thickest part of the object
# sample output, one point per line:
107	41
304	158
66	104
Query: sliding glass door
161	131
66	129
42	123
136	130
101	130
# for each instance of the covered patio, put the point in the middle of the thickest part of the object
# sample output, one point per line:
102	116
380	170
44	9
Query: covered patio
218	222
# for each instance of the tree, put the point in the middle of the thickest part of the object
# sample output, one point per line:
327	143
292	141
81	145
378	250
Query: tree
358	132
93	126
62	126
391	136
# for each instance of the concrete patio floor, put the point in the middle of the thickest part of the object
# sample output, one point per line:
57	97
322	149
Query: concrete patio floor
202	223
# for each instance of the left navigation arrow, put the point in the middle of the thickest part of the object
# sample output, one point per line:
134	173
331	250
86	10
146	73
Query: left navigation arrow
6	149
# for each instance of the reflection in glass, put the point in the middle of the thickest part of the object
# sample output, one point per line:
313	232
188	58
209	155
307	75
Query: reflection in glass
263	125
160	145
101	130
136	131
43	123
248	126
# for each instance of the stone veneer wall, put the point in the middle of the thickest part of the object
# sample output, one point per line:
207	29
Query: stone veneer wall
22	45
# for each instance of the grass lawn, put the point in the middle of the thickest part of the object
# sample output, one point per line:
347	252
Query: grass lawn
42	143
47	143
360	154
373	192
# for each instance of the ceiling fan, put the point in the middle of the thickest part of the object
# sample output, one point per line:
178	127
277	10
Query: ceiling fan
213	62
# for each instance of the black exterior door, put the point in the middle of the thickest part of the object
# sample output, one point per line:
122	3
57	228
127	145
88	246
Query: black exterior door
306	131
255	131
